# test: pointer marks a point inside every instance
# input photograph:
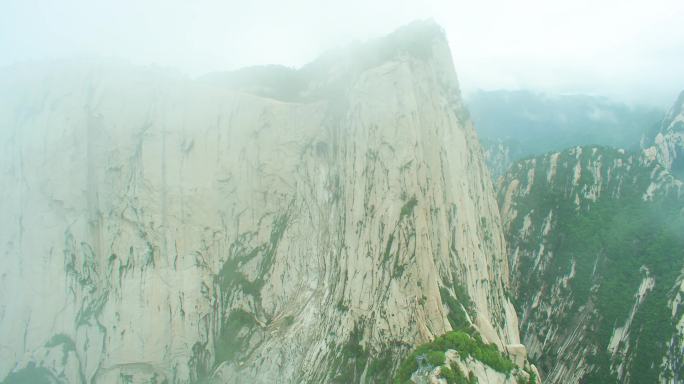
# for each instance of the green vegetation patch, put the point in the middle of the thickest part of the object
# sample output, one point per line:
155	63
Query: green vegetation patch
230	275
459	304
234	335
608	242
467	343
349	367
407	208
66	342
31	375
453	375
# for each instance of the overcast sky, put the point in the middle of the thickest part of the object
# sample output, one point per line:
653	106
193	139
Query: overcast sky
629	50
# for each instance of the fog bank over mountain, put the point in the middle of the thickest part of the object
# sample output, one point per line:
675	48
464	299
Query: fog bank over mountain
630	51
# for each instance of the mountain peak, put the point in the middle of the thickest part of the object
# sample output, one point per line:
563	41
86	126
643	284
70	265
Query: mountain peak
310	225
335	70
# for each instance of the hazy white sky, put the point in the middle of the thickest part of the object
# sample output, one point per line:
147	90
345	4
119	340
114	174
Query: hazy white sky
630	50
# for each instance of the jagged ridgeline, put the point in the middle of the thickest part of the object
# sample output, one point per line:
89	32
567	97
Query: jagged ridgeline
666	142
596	244
265	226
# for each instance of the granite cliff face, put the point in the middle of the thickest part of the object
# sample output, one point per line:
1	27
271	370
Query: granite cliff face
161	229
595	240
669	142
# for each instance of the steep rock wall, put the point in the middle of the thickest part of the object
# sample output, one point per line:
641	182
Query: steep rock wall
595	245
160	229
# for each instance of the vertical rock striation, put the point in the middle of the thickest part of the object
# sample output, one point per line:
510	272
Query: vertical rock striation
595	243
669	142
267	226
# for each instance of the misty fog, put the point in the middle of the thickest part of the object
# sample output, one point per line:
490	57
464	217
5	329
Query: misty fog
628	50
406	192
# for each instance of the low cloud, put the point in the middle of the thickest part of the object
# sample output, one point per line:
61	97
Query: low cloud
628	50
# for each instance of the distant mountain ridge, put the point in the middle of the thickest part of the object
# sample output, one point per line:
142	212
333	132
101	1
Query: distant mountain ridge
513	125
